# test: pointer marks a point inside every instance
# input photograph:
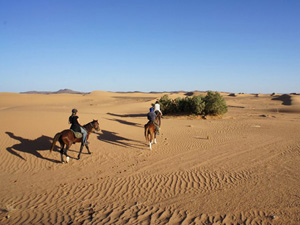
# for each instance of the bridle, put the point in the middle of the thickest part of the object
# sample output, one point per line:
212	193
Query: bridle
92	124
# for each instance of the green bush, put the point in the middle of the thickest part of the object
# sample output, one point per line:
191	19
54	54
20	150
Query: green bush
167	105
198	104
211	104
215	104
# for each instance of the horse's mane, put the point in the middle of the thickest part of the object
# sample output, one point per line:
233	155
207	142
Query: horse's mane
90	123
85	125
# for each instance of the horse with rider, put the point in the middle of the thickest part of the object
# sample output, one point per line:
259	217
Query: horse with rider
154	122
76	133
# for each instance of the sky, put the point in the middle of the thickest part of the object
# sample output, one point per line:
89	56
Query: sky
250	46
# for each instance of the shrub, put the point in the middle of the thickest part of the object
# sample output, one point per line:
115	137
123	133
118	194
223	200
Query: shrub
214	104
211	104
184	105
167	105
198	104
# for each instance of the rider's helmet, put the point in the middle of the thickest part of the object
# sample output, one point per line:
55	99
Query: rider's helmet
151	109
74	110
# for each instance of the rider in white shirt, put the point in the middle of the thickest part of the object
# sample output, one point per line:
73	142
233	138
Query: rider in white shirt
157	107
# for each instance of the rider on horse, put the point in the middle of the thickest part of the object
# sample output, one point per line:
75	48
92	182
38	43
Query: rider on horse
76	126
152	118
157	108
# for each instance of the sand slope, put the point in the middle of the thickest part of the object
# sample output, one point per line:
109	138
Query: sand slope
241	169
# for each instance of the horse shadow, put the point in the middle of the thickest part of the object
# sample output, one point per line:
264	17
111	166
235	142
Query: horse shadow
128	115
32	147
126	122
115	139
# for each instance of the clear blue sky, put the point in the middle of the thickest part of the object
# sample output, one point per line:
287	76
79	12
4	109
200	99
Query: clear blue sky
159	45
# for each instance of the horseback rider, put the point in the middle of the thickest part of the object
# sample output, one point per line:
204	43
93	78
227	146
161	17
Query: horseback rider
157	108
152	118
77	127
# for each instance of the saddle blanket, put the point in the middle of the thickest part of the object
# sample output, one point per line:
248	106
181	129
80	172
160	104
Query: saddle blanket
77	134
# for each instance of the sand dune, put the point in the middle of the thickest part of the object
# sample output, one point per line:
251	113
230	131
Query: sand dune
240	169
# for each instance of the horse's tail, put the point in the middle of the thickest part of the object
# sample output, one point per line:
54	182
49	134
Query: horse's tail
146	132
55	139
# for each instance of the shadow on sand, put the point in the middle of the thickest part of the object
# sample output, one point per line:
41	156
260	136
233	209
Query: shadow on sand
127	123
32	147
115	139
128	115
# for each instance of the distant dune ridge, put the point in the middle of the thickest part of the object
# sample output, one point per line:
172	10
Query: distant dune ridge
61	91
187	93
242	168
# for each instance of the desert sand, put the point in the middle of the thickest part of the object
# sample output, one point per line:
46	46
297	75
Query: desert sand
242	168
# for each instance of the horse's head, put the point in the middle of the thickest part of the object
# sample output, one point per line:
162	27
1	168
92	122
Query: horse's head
95	125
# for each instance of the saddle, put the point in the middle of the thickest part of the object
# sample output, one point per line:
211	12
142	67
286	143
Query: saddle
155	124
77	134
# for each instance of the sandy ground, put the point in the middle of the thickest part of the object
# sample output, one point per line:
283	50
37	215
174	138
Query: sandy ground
241	169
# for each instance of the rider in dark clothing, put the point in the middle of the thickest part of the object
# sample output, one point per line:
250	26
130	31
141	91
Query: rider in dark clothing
73	119
75	126
151	115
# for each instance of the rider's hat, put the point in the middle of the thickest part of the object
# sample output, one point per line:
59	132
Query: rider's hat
74	110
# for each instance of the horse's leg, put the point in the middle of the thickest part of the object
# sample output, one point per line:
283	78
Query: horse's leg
62	151
67	148
155	138
87	147
151	139
81	147
62	155
65	152
159	119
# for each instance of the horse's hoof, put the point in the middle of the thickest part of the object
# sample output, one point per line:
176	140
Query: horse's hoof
78	158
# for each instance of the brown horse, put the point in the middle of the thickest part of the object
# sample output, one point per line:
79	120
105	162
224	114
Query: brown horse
150	130
158	117
66	137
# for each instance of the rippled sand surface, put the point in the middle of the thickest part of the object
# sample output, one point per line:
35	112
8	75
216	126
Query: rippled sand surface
239	169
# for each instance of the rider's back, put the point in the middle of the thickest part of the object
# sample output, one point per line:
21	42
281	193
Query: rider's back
151	116
74	123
